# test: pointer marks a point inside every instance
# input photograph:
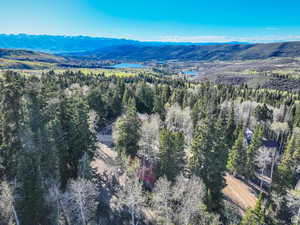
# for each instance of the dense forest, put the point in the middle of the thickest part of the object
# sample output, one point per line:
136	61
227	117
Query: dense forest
187	135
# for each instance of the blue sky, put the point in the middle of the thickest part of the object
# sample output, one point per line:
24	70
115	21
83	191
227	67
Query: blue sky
176	20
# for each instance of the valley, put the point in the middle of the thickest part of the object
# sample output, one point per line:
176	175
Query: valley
205	134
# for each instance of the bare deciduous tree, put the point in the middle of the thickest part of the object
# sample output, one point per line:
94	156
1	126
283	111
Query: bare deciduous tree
180	120
149	141
263	158
244	110
55	199
190	192
80	200
180	203
231	213
8	213
293	202
161	199
130	195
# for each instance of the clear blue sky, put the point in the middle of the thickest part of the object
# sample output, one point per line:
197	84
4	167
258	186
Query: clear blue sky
174	20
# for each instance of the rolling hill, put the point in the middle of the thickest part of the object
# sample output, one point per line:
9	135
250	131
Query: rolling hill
26	55
195	52
25	59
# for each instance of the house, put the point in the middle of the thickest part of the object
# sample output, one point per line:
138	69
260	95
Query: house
147	172
248	135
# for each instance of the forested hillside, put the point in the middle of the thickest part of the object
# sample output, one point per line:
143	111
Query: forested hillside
67	44
33	60
55	44
176	140
196	52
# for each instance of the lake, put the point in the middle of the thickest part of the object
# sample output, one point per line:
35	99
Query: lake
191	72
127	65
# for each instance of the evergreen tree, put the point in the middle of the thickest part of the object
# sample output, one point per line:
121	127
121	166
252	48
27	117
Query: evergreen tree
197	111
158	106
171	153
252	151
230	128
237	156
296	118
34	165
116	104
11	113
208	160
126	96
255	216
166	94
127	133
73	137
95	101
284	176
30	203
144	96
263	113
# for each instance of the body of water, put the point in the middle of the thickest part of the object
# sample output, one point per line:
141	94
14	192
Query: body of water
128	65
191	72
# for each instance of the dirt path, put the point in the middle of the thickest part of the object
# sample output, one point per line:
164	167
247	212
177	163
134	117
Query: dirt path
239	192
105	159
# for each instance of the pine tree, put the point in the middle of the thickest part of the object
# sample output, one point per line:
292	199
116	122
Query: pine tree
127	132
34	165
116	104
263	113
171	153
230	128
237	156
284	175
11	113
30	203
144	96
166	94
158	106
208	160
255	216
126	96
296	152
73	137
296	118
252	150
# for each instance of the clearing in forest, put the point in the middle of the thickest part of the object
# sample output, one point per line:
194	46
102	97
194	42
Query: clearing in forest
239	192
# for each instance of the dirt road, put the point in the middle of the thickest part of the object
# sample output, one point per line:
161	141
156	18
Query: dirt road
239	192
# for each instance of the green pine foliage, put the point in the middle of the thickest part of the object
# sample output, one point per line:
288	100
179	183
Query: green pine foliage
230	127
263	113
237	156
171	153
128	132
47	139
255	216
285	175
251	152
11	113
208	160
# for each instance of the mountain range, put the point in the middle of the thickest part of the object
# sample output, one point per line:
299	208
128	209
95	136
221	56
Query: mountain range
79	49
194	52
67	44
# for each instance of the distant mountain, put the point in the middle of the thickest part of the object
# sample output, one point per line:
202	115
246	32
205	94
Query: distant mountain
27	59
195	52
26	55
74	50
65	44
58	44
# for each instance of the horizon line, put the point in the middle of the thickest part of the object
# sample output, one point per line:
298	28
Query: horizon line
202	39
